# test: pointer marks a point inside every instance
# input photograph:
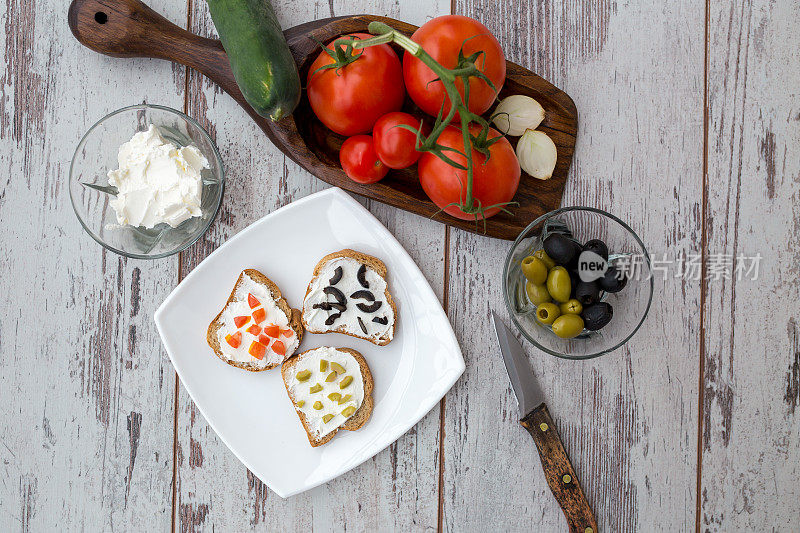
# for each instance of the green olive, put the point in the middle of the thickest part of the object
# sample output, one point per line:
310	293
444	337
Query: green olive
547	312
541	254
568	326
535	270
558	284
571	307
537	294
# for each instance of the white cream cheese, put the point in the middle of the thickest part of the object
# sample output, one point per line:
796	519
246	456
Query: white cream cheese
238	307
156	181
301	390
348	285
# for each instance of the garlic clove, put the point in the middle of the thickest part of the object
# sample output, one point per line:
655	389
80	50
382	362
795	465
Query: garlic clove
537	154
517	113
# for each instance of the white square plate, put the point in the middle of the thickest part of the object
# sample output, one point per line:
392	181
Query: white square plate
251	411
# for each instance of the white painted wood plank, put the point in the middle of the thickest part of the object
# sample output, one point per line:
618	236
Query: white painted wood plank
397	488
628	419
751	389
87	392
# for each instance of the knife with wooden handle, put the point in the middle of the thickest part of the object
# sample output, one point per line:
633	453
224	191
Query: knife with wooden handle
536	419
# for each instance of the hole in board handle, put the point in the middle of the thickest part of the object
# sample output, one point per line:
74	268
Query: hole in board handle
100	17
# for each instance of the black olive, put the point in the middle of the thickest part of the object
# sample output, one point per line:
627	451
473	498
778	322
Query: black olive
613	280
332	319
336	293
328	306
366	295
381	320
337	276
597	315
587	293
371	308
561	249
362	276
597	246
363	327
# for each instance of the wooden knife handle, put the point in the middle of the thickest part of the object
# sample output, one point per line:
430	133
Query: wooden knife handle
559	472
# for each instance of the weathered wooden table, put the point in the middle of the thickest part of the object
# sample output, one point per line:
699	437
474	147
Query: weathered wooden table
689	130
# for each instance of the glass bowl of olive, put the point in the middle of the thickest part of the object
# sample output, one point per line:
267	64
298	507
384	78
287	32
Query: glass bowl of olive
578	282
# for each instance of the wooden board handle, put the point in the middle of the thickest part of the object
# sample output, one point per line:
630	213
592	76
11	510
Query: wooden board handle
559	472
129	28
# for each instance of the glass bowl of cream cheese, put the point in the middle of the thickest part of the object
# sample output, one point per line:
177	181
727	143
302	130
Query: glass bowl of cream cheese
146	181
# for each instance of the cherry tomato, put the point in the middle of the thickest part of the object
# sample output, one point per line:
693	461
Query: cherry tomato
359	160
494	181
350	99
442	38
395	146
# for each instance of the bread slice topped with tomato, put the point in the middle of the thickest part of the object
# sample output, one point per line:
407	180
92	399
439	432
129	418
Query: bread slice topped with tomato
331	389
349	293
256	329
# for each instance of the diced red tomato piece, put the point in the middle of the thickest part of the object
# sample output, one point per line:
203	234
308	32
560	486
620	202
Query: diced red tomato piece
254	330
272	330
241	320
257	350
234	340
252	301
279	348
259	315
263	339
287	332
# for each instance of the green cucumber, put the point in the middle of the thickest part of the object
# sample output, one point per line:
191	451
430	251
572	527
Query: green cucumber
260	59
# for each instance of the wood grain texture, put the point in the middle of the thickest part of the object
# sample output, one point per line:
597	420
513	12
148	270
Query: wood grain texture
750	418
628	419
87	391
396	489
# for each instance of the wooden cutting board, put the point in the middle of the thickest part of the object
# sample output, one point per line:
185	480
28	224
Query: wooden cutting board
129	28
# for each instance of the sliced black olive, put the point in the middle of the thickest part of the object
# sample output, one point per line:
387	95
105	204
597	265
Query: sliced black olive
362	276
371	308
366	295
587	293
363	327
561	249
332	319
336	293
328	306
337	276
596	316
613	280
597	246
381	320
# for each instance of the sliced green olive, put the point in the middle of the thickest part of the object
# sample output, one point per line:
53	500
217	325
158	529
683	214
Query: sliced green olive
534	270
548	262
537	294
316	388
323	365
301	403
571	307
547	312
349	410
303	375
345	399
327	418
334	396
558	284
336	367
318	405
331	377
568	326
346	381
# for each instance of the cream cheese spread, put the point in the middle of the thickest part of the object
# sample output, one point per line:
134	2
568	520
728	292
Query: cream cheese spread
156	181
240	306
345	401
374	325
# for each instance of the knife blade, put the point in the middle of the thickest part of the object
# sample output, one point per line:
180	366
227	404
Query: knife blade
536	419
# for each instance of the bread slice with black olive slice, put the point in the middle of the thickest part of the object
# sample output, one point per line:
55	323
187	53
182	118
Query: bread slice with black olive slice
349	293
330	389
280	329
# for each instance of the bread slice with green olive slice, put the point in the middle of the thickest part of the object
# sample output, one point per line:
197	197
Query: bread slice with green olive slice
330	389
349	293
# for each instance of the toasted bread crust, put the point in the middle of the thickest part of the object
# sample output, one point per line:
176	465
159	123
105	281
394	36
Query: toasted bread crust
359	418
294	316
378	266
